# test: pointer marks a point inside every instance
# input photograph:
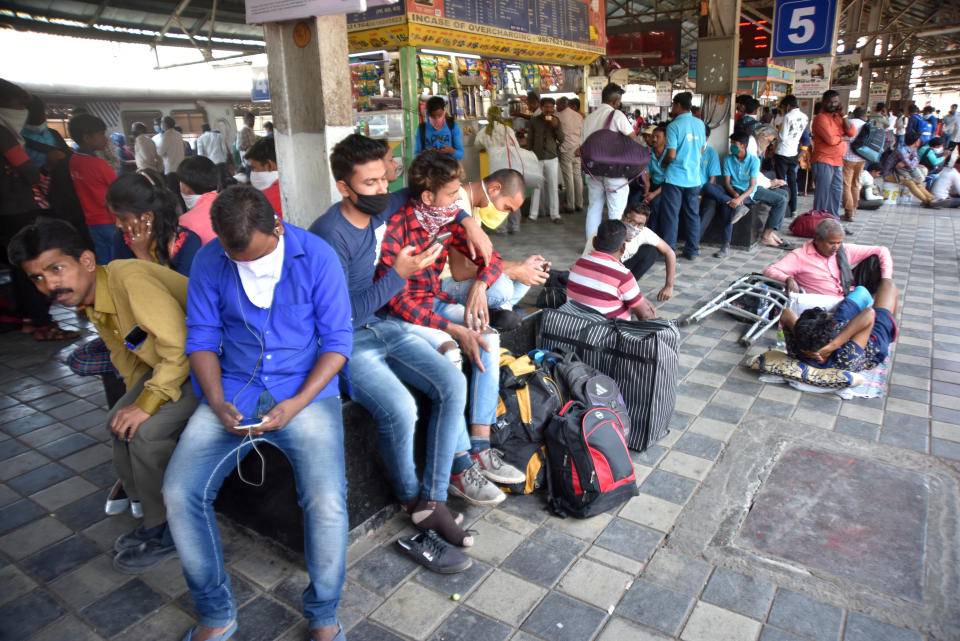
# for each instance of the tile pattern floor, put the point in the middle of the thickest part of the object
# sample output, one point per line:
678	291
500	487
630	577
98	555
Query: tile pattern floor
534	576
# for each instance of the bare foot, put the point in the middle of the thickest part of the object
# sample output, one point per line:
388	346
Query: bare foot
202	632
326	633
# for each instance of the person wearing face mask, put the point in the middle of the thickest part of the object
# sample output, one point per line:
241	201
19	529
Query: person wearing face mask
440	131
262	161
931	155
829	128
740	170
385	354
490	201
138	310
268	332
147	226
199	177
434	183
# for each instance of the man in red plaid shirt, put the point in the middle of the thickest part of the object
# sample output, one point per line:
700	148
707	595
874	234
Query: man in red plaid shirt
434	183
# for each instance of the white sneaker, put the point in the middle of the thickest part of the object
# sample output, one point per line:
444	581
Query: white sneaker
472	487
494	468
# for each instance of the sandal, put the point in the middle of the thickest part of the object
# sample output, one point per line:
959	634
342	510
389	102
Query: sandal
54	333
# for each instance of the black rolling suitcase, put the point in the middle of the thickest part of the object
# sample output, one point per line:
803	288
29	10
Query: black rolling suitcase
641	356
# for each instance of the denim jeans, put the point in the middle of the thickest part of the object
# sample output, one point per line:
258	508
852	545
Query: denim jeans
504	294
829	187
716	196
777	199
674	201
102	236
385	356
205	456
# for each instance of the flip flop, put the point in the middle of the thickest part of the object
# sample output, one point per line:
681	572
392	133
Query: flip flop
785	245
54	333
223	637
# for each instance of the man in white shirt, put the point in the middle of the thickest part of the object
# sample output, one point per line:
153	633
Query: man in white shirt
947	186
171	146
870	195
212	145
572	124
852	168
613	191
144	151
951	129
785	158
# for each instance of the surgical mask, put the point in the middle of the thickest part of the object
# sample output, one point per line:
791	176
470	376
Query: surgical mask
263	179
631	232
371	204
490	215
735	150
190	200
157	128
15	119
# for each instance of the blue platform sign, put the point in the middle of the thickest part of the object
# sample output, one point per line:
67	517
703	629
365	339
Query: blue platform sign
804	28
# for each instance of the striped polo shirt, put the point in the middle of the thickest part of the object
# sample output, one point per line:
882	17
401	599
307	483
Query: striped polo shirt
603	283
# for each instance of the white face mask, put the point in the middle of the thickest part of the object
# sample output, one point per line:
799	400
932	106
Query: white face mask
263	179
260	276
14	119
190	200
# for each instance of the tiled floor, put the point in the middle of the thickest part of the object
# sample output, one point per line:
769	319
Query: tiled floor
668	564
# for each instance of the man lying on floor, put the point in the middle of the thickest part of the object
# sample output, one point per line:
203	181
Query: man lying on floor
827	265
854	337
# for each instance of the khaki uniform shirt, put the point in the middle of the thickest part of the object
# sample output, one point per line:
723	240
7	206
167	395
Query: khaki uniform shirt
137	293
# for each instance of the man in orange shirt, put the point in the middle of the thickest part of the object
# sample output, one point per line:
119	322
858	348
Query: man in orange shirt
829	127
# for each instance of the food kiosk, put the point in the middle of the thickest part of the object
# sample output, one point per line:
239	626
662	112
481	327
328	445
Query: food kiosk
475	53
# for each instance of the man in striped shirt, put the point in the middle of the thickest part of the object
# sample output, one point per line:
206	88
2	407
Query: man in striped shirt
601	282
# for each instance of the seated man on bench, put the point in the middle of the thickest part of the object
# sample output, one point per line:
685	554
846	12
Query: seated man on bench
740	171
604	284
827	265
854	337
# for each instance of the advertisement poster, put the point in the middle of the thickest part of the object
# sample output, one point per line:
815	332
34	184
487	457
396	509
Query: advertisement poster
812	76
664	93
846	71
595	85
878	91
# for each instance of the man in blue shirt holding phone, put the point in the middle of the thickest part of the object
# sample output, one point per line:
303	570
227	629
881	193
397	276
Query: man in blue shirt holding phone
268	330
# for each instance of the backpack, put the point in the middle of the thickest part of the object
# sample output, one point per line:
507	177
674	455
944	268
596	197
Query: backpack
610	154
422	131
554	292
869	142
805	224
589	466
528	398
584	383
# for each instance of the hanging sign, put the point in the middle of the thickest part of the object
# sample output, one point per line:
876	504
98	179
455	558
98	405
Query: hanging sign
811	76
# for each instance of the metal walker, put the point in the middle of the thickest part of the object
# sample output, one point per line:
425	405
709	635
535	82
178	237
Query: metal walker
771	297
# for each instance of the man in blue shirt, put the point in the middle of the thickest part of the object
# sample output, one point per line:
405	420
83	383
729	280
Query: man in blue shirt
268	330
385	354
740	170
709	162
440	131
686	138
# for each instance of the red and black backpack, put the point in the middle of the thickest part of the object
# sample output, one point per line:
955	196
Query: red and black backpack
589	466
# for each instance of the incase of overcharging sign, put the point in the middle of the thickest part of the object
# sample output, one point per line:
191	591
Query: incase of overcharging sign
804	28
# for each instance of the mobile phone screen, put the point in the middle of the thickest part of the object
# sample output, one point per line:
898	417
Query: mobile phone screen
249	423
135	338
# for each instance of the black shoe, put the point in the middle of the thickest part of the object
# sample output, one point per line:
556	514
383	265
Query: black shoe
133	539
690	257
433	553
144	557
722	252
504	320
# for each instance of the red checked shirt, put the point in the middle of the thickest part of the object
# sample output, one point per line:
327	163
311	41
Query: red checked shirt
414	303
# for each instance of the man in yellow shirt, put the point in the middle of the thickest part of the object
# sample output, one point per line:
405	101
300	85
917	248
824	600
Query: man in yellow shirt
138	308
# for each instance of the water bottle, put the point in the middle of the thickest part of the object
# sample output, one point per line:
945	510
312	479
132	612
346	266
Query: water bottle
781	340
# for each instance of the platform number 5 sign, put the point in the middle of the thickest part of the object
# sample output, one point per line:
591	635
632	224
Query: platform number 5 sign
804	28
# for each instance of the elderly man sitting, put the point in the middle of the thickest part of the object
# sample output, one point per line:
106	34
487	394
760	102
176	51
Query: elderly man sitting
827	265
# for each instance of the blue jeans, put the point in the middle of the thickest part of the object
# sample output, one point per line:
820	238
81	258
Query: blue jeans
777	199
504	294
677	200
829	188
385	356
102	236
716	196
205	456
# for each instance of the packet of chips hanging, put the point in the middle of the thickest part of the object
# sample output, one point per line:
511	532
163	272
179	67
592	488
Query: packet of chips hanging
428	70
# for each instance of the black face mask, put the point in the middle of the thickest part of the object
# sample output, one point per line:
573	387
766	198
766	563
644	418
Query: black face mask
371	204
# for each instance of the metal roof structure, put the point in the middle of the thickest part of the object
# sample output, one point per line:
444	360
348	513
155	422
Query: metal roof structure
923	35
206	25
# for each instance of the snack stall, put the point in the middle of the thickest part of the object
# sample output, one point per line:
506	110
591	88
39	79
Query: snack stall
474	53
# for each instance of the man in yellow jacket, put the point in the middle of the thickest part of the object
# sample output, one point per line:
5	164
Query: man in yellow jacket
138	308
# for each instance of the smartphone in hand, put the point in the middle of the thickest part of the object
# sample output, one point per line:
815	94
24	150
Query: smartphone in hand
439	239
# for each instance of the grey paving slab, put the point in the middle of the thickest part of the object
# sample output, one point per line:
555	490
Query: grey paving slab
655	606
60	557
677	571
24	616
863	628
629	539
741	593
805	616
264	618
539	563
466	625
669	487
562	618
122	608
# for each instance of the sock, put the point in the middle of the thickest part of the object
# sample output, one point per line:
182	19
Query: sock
478	444
461	463
435	515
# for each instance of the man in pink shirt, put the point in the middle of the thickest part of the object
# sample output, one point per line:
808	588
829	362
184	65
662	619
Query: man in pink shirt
601	282
199	177
826	265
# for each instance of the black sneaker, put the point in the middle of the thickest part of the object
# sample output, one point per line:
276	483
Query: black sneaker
433	553
132	539
144	557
